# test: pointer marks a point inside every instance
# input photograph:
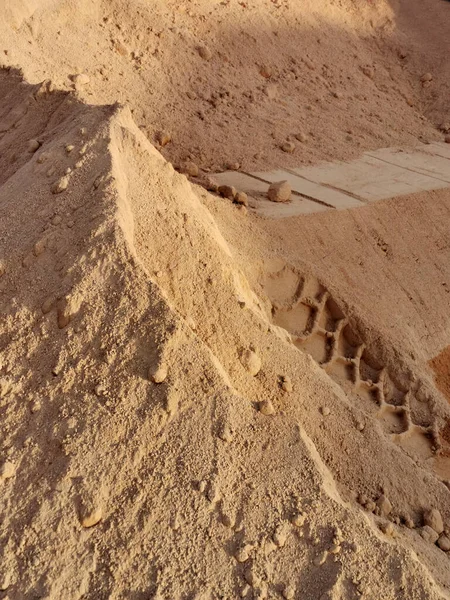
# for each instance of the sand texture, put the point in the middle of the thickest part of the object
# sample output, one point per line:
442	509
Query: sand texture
197	402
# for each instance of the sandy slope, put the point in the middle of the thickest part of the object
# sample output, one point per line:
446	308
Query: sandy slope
167	430
346	75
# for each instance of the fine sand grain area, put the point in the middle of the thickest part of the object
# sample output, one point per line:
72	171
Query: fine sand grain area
198	402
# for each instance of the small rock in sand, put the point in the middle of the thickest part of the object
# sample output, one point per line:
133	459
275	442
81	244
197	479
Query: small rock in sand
80	79
204	52
251	577
444	543
33	145
433	519
286	384
299	519
429	534
164	137
325	411
241	198
279	538
266	71
447	139
190	168
211	184
266	408
279	191
251	361
384	505
243	554
7	470
227	191
158	374
426	77
409	523
226	433
60	185
288	147
301	137
321	558
387	528
5	581
2	268
91	517
233	166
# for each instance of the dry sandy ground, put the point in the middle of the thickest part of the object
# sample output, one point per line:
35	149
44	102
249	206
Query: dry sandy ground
198	403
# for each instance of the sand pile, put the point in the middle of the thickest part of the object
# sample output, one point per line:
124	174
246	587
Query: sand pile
197	403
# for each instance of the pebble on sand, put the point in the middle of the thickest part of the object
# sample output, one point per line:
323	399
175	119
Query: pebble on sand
227	191
266	71
7	470
33	145
279	191
80	79
60	185
243	554
429	534
444	543
266	408
384	505
226	433
158	374
241	198
204	52
251	361
301	137
288	147
2	268
426	77
164	138
190	168
321	558
299	519
433	519
91	517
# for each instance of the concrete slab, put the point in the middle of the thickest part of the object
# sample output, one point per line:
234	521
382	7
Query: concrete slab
327	196
258	189
243	183
371	179
437	149
297	206
377	175
415	160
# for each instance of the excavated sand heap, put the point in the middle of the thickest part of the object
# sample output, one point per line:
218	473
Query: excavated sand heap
197	402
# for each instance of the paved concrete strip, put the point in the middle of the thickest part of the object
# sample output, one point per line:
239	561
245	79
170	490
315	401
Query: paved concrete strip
310	189
377	175
417	161
243	183
282	210
370	178
256	188
437	149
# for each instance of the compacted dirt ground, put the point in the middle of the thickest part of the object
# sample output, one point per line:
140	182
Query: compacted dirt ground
197	402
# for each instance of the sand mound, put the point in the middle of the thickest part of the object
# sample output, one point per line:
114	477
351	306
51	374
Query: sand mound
162	435
198	403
